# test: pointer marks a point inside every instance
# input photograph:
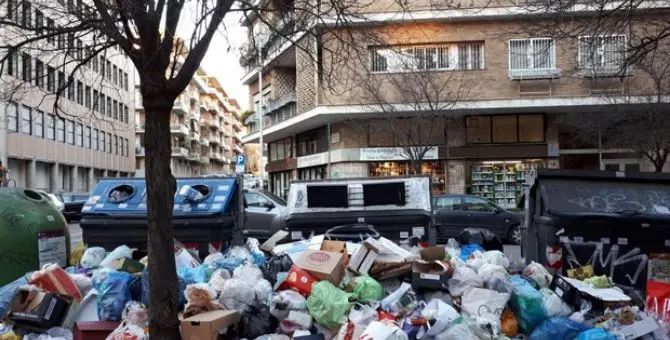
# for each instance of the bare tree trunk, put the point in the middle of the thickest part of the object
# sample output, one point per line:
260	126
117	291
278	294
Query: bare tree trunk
161	187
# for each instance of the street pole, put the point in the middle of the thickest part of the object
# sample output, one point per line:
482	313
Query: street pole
260	115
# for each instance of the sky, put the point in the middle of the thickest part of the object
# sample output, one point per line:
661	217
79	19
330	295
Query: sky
222	58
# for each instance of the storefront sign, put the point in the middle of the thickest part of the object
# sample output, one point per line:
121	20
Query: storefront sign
395	153
313	160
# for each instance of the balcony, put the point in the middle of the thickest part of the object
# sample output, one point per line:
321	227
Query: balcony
215	156
181	105
179	130
237	138
204	160
179	152
194	156
214	139
204	141
213	123
139	128
226	147
212	106
195	136
238	149
140	151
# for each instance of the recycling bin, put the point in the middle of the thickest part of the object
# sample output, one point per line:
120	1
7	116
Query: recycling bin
352	209
32	233
205	211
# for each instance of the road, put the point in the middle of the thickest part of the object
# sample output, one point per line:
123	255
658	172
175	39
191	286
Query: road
76	237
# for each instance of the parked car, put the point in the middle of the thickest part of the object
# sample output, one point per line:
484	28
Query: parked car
453	213
55	200
73	202
265	213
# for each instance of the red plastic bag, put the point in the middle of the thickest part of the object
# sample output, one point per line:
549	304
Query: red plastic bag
53	278
298	280
658	299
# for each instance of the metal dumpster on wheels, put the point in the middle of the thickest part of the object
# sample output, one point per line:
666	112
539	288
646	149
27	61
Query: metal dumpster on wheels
206	210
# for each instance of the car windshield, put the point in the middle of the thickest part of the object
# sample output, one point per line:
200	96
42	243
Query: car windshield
277	199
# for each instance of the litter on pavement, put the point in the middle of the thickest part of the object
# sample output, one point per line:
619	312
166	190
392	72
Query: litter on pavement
323	289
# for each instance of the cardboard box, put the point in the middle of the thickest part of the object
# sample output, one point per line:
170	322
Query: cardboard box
430	275
336	247
643	327
365	257
206	326
323	265
38	311
94	330
574	292
128	265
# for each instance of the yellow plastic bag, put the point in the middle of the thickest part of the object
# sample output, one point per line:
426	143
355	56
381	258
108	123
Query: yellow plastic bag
77	253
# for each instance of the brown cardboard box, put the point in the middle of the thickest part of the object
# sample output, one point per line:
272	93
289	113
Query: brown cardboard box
206	326
336	247
38	311
323	265
363	259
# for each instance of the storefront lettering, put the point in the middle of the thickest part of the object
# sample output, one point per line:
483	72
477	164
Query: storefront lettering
313	160
394	154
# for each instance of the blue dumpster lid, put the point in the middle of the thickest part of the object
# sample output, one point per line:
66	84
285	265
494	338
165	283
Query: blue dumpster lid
128	196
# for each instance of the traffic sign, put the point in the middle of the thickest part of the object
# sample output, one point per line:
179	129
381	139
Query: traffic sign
239	166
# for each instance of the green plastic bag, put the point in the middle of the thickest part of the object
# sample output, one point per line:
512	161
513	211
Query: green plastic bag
328	304
366	288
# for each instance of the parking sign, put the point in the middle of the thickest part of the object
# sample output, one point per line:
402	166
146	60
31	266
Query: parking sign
239	166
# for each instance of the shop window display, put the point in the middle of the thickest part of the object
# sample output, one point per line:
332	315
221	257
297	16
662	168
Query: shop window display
433	169
502	182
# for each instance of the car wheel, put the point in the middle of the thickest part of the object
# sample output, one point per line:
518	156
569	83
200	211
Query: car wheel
514	235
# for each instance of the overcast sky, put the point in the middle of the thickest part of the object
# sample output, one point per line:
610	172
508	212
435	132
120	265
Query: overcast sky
222	59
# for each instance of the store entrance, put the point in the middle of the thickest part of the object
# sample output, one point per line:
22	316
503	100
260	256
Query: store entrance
502	182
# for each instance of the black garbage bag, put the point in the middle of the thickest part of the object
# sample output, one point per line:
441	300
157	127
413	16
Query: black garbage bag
276	264
256	321
485	238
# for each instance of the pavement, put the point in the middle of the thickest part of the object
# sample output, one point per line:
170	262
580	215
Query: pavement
76	236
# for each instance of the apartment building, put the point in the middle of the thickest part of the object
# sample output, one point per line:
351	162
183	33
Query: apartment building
205	130
90	136
512	90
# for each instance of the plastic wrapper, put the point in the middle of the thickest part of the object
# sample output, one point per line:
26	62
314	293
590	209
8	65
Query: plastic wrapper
136	314
113	293
256	253
558	328
553	304
468	249
477	301
212	258
146	288
276	265
248	273
83	282
234	258
256	321
328	304
93	257
119	253
527	304
218	279
77	253
599	282
263	290
495	257
442	315
366	288
237	294
56	333
486	326
190	275
463	279
401	300
495	277
8	291
595	334
539	274
286	301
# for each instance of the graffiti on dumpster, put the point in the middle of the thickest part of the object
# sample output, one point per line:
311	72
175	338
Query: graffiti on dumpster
607	199
626	266
11	219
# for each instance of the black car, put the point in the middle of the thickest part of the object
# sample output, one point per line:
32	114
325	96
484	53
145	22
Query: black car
453	213
73	202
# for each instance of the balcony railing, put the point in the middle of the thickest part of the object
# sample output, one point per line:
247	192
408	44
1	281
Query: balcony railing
179	129
270	45
204	160
139	128
193	156
181	105
214	139
179	152
204	141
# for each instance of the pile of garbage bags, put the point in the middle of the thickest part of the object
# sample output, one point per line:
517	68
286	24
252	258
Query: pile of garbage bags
321	289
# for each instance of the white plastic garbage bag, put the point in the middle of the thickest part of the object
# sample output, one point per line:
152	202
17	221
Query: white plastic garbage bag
218	279
92	257
237	294
539	274
285	301
463	279
52	334
477	302
119	253
495	277
443	314
459	331
553	304
248	273
495	257
263	290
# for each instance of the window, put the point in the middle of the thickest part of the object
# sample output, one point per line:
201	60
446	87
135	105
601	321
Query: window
39	124
11	63
115	75
69	126
116	145
102	104
26	70
125	114
51	79
505	129
51	127
51	26
121	147
78	130
60	130
87	96
602	53
39	74
127	148
87	137
80	50
108	76
12	117
463	56
125	81
537	54
94	143
70	88
470	56
39	21
115	109
254	200
26	120
478	205
109	142
26	20
61	80
102	66
448	203
95	100
70	43
120	78
80	93
94	64
102	144
11	7
109	106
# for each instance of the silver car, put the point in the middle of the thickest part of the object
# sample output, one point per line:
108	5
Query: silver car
265	214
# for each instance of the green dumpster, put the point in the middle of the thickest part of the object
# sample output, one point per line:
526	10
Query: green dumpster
32	233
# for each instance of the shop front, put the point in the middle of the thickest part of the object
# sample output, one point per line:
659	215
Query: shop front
434	169
502	181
